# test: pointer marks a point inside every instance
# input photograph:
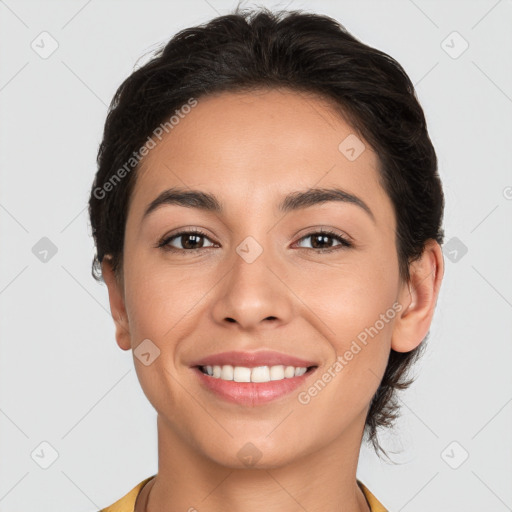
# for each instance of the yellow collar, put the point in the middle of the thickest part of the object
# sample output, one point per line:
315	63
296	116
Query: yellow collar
127	502
373	502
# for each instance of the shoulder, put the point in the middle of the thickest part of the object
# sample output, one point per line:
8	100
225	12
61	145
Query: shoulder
127	502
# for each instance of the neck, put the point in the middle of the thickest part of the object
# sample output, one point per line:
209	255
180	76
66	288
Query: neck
324	480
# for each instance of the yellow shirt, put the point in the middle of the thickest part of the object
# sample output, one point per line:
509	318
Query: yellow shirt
127	502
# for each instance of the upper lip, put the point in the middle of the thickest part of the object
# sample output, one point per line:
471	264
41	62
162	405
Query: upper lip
252	359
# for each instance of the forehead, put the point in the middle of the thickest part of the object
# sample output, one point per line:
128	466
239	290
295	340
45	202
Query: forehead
245	146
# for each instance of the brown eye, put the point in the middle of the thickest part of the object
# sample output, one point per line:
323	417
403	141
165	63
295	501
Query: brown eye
186	241
321	240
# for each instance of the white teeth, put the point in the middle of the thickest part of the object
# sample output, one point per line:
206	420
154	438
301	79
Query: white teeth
227	372
256	374
300	371
276	372
289	372
260	374
241	374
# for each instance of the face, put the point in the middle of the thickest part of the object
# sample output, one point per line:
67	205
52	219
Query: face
259	277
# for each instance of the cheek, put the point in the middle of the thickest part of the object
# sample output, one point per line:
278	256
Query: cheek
357	321
351	296
160	299
356	306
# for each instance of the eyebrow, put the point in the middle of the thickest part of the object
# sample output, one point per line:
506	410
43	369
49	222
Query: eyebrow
294	201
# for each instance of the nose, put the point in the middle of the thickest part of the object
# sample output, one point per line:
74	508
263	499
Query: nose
253	295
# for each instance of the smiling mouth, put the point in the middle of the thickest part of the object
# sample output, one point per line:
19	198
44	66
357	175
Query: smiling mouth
254	374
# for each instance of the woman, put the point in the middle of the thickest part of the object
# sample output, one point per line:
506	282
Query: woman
267	215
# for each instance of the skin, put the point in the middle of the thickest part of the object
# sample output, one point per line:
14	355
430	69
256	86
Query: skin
251	149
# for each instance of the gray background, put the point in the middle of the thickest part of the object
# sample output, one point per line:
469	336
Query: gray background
63	379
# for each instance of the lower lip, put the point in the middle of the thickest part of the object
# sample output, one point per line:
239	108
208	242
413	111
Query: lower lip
252	393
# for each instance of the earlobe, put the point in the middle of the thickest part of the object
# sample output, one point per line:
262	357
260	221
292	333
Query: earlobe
418	298
117	306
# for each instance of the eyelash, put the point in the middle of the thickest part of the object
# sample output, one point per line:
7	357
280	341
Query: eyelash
344	243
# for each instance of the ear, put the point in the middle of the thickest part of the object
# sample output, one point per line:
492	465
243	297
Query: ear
418	298
117	306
